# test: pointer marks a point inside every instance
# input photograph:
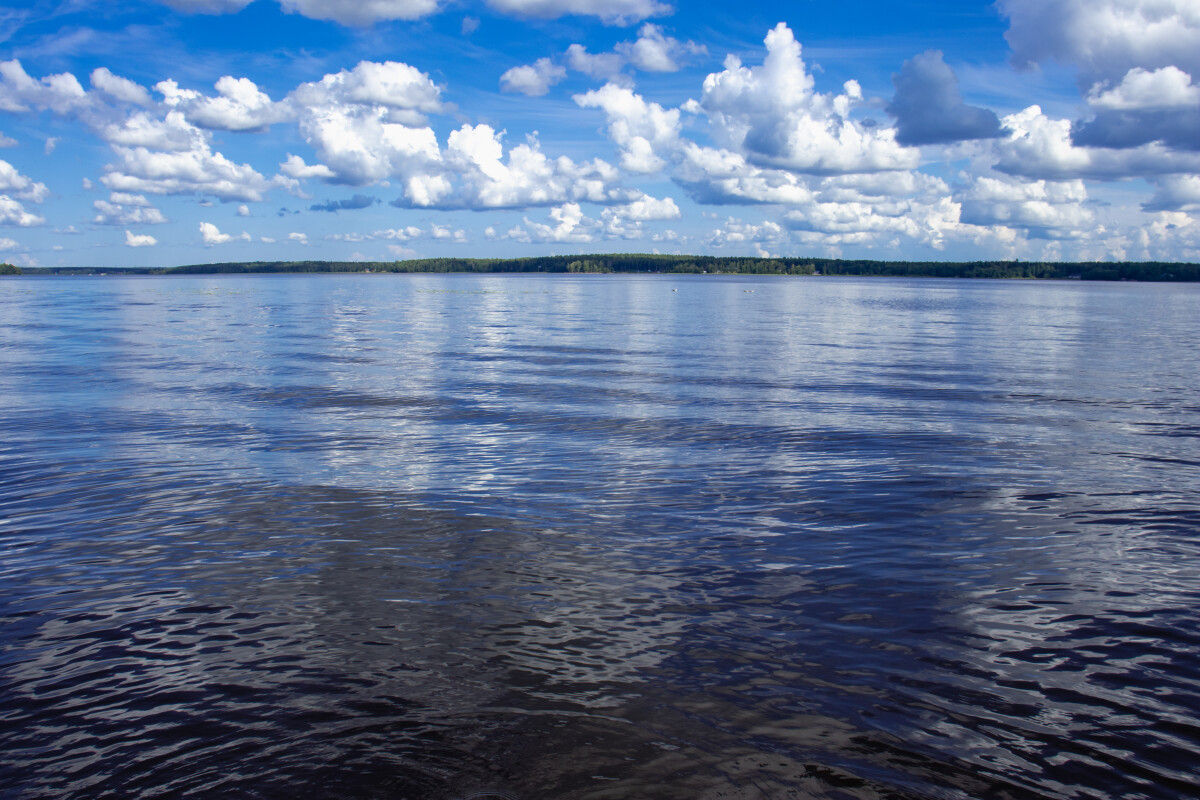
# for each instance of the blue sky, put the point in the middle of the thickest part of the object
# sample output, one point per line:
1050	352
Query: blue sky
187	131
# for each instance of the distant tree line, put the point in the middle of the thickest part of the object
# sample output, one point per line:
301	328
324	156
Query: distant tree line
655	263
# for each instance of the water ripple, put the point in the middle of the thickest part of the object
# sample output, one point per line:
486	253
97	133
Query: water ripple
524	537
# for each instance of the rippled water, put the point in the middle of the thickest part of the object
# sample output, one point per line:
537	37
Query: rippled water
613	537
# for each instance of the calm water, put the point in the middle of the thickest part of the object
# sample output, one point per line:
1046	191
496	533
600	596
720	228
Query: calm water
534	537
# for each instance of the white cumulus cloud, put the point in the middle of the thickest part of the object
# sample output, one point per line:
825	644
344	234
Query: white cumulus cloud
211	235
19	92
737	232
123	209
447	233
358	145
198	171
567	224
14	214
171	131
12	182
1045	209
654	51
120	89
646	132
534	79
361	12
1175	193
239	105
774	116
135	240
527	177
598	65
625	221
886	221
391	84
295	167
406	234
1105	38
368	125
649	208
1141	89
1041	147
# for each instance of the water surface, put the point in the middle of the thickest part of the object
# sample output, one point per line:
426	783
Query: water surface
598	537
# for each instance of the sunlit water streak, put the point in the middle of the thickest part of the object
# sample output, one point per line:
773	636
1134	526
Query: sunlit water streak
598	537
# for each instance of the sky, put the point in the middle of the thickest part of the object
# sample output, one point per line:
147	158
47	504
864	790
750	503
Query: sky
168	132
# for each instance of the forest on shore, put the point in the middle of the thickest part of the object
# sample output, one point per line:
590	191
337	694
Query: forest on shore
679	264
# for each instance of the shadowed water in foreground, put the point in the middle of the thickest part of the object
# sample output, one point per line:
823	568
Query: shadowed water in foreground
527	537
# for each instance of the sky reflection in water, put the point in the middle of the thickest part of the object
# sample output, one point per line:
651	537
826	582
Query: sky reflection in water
425	536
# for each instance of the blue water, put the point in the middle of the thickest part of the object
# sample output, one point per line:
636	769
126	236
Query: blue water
525	536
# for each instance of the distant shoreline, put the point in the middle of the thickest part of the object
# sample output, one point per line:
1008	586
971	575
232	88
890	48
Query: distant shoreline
1155	271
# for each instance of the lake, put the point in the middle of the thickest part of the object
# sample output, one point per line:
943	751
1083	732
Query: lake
596	537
